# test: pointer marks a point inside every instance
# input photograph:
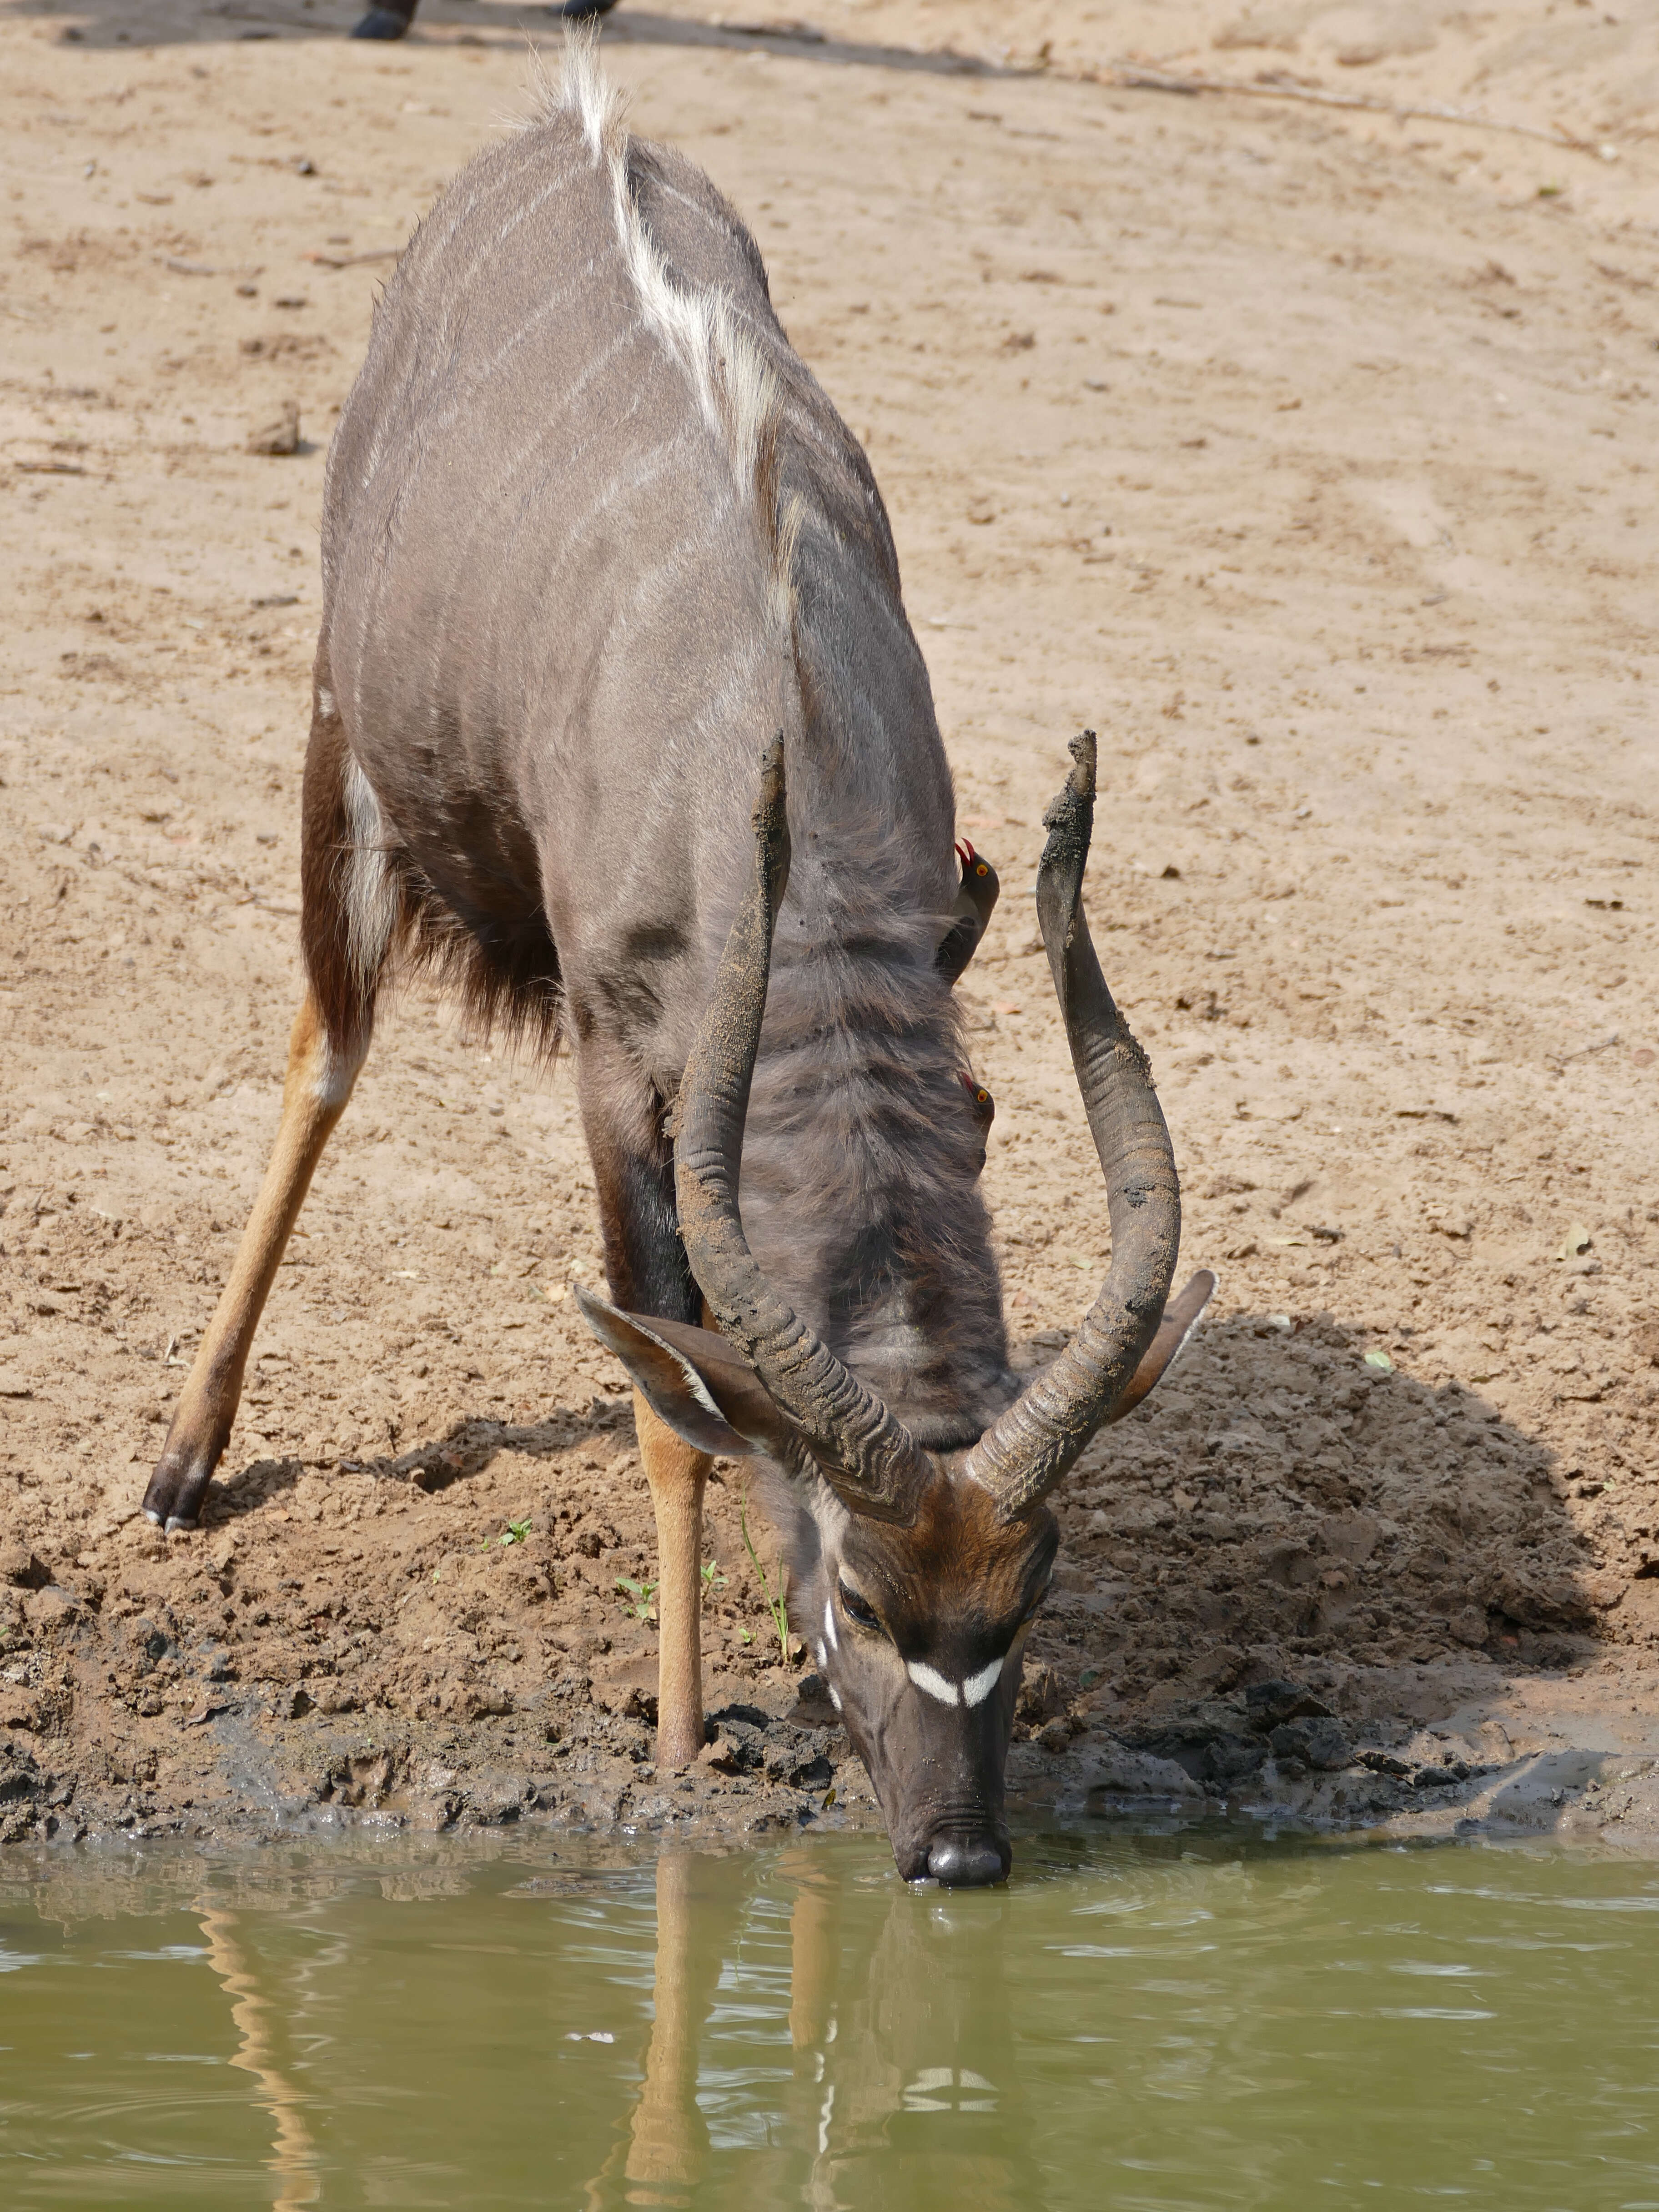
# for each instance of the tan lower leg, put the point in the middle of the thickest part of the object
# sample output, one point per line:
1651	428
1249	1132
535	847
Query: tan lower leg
314	1096
677	1473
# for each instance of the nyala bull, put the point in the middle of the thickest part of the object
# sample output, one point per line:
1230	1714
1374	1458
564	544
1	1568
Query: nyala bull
600	561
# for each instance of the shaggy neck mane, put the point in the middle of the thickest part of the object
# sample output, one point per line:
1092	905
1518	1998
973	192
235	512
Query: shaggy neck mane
861	1159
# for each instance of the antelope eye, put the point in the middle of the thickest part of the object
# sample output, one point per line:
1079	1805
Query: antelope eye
856	1609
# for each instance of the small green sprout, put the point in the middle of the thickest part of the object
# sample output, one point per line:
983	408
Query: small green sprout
640	1598
516	1532
778	1606
712	1579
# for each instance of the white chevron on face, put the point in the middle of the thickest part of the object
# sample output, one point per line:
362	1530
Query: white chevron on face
978	1688
935	1684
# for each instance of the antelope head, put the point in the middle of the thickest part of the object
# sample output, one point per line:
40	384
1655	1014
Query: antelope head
924	1567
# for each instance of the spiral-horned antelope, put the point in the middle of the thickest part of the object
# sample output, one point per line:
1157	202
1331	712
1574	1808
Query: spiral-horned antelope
598	556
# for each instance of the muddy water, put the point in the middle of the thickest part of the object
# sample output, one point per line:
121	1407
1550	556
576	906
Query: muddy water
1137	2021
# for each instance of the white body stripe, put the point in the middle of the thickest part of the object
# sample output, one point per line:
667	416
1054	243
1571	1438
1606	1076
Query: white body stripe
370	895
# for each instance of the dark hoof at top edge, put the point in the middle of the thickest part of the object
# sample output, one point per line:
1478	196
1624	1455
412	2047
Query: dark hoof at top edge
582	11
382	23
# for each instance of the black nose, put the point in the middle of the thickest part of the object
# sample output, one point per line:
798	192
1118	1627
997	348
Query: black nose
968	1862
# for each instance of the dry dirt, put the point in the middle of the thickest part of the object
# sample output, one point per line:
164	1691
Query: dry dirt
1304	451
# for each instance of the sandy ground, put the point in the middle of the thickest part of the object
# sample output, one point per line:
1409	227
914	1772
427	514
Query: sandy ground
1304	451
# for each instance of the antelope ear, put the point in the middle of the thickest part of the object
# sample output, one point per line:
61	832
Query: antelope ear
1180	1317
690	1377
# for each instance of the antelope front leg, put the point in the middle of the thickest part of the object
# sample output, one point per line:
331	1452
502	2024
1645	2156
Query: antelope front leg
319	1083
677	1473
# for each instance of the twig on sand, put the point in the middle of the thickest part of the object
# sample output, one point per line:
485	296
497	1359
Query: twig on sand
1601	1044
1129	78
180	267
350	260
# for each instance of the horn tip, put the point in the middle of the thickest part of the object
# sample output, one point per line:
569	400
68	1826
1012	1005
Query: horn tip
769	823
1070	813
769	816
1083	751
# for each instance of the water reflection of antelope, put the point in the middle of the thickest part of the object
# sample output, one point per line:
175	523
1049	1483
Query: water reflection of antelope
293	2160
902	2086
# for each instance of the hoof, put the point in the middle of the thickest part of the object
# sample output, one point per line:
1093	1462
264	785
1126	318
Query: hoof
172	1497
582	11
383	23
